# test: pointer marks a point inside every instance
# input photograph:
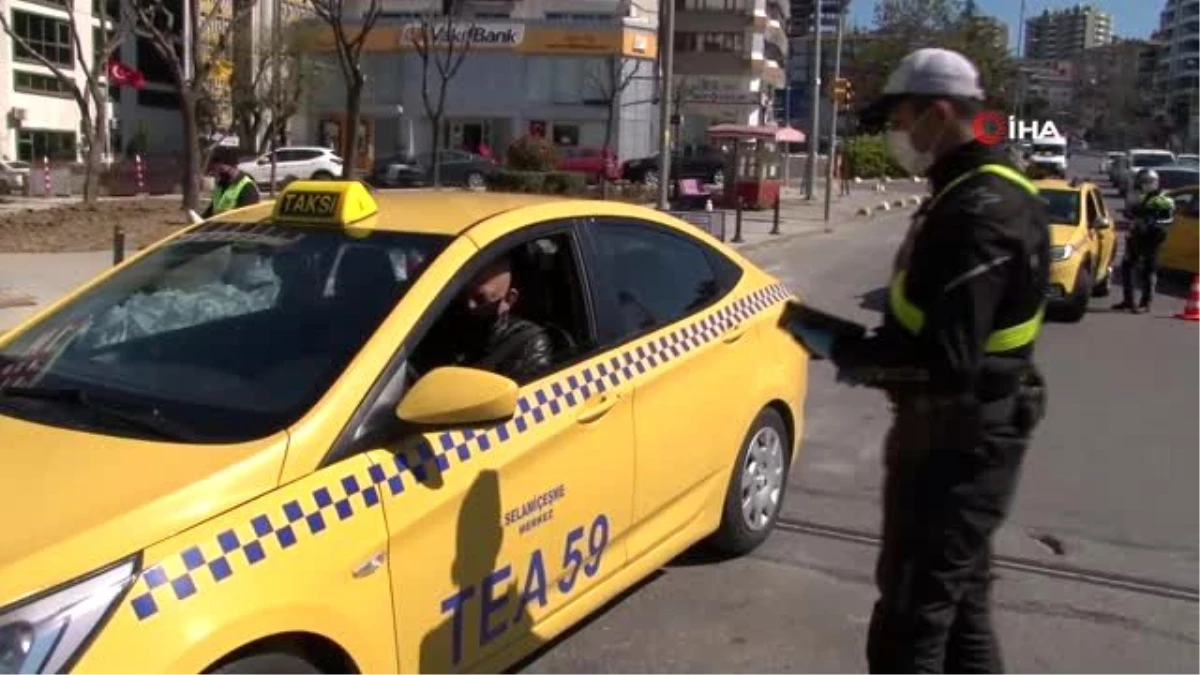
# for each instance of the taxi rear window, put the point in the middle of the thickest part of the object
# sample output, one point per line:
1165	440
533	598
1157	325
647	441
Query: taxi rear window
230	332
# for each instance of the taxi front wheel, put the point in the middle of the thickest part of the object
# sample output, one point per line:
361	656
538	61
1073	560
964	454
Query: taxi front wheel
269	662
756	488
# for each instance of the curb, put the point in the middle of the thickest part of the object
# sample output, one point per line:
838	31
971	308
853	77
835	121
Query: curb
776	239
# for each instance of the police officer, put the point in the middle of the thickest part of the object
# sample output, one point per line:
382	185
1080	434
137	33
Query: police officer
954	355
234	189
1152	217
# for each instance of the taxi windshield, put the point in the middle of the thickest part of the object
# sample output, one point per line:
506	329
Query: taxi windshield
1062	206
228	333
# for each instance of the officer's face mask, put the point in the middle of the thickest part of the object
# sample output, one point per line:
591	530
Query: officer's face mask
903	147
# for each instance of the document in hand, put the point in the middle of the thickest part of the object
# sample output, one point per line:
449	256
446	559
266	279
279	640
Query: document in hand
807	317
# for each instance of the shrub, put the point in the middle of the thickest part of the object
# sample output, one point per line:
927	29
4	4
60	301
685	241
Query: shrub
508	180
537	182
564	183
868	157
532	153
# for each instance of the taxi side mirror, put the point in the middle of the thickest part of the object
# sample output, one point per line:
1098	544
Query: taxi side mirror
459	396
1102	223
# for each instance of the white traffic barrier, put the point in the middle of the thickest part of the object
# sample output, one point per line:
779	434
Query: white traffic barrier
915	200
863	211
883	206
897	203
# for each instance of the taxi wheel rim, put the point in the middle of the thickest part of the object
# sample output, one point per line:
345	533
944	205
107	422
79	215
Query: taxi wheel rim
475	181
762	478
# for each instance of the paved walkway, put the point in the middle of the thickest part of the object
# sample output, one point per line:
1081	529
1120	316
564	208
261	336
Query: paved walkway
29	281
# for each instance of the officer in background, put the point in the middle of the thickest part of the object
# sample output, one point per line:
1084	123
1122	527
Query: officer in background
1152	217
954	355
234	189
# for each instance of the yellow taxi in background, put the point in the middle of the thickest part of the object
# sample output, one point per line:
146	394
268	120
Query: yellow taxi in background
1181	251
1083	243
243	449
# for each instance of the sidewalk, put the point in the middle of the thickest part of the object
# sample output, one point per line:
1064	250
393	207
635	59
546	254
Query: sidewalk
30	281
800	217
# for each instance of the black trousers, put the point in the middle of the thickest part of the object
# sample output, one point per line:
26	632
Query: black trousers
1141	257
950	478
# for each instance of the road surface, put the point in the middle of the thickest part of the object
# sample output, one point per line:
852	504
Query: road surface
1100	553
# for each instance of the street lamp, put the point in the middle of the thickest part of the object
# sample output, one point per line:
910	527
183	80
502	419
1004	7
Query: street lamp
666	52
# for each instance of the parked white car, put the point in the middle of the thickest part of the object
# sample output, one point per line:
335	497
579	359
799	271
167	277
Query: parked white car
14	176
294	163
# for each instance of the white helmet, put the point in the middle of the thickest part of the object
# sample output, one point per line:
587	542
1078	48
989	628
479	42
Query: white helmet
1146	180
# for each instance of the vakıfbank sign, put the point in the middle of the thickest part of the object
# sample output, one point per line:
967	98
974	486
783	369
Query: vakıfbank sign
473	35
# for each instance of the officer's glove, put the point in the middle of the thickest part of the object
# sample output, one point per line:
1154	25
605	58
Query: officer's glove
818	342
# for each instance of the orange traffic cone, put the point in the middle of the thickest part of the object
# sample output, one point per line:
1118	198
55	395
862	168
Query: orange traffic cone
1191	311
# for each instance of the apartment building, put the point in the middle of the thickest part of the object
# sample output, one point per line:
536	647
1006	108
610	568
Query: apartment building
40	115
730	60
533	66
1066	33
1177	76
794	104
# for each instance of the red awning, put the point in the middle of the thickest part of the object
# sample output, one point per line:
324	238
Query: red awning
789	135
747	131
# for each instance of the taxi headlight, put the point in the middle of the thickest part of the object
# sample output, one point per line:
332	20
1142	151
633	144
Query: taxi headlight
1061	252
48	633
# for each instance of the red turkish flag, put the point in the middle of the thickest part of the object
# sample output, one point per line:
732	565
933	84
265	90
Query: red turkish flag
124	75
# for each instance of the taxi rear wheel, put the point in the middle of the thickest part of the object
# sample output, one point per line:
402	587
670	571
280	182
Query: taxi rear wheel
269	662
756	488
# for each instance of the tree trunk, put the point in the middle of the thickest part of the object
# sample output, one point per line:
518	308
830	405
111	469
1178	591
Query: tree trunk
191	152
95	158
350	133
436	150
608	144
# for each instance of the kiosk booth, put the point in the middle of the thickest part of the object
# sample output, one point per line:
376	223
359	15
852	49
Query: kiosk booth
752	158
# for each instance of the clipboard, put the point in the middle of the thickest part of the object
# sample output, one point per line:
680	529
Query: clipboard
812	317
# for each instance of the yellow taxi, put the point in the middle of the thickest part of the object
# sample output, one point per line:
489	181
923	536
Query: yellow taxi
1181	250
1083	244
252	447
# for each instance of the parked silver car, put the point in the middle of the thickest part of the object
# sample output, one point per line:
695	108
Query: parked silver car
14	176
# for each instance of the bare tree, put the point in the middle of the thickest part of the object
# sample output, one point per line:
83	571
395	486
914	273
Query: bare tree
351	22
610	79
442	45
178	40
92	97
262	109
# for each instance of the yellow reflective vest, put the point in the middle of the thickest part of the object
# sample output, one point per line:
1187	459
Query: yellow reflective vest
912	317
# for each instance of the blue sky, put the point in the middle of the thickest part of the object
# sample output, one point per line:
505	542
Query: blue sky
1131	18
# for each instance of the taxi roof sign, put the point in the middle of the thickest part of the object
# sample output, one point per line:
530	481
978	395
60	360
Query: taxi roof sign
325	202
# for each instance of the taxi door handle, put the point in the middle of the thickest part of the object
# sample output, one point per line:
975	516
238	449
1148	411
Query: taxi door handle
599	408
734	334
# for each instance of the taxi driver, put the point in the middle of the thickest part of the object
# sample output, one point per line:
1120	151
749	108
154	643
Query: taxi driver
491	337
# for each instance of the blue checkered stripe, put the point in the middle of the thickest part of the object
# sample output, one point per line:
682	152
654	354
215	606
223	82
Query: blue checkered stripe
273	531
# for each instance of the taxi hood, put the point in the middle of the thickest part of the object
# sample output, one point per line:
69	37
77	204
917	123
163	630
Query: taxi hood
75	501
1062	234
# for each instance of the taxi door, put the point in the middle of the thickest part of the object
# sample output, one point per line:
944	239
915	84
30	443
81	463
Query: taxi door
495	528
662	289
1105	237
1181	250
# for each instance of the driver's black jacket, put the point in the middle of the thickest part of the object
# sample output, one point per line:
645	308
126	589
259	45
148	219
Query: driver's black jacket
514	347
979	262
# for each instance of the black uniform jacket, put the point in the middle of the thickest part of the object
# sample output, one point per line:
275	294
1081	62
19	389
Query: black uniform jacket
976	262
